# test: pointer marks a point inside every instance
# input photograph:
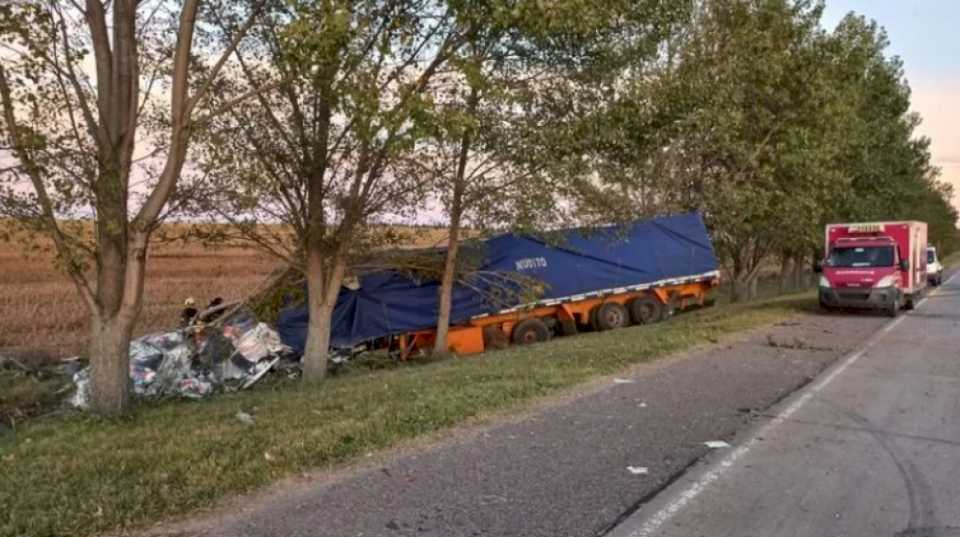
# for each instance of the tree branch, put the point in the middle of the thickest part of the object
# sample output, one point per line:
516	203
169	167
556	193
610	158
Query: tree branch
218	66
74	270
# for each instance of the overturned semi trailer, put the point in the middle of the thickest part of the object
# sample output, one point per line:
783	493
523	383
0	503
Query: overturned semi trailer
526	289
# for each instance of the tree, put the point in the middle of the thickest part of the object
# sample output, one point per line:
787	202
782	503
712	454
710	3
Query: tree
74	137
320	151
772	128
507	152
725	127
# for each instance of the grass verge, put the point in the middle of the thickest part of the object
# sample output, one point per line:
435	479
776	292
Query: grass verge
23	395
81	475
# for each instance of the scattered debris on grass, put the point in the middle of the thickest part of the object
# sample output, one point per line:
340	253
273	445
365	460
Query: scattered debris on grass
245	418
195	361
796	344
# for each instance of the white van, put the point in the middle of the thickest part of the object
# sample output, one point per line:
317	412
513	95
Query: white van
934	268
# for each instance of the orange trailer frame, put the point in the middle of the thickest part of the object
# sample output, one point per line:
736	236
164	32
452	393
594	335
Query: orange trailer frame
637	304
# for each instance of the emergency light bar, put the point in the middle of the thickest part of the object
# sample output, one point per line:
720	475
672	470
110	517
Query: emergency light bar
865	228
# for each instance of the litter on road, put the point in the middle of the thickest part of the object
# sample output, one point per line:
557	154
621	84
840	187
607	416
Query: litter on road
622	381
716	444
638	470
195	361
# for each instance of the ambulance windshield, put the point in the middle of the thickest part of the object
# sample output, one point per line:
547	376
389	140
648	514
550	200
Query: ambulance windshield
861	256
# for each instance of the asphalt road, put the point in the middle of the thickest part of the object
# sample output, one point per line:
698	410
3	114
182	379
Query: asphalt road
872	448
563	471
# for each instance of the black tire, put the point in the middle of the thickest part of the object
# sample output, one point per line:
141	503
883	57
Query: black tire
530	331
645	310
610	316
894	307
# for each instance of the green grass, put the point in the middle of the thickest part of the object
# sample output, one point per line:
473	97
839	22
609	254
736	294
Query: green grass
951	260
80	475
23	395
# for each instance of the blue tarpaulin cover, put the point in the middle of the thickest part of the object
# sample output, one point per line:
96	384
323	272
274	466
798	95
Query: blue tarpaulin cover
571	262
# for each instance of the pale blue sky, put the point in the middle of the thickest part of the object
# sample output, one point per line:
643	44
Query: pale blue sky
926	35
923	32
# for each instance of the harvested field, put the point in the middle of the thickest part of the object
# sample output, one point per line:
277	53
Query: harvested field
42	318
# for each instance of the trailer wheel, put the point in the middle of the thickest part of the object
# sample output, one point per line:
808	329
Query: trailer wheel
611	315
530	331
645	310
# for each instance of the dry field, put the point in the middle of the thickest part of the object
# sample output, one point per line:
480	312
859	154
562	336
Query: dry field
42	318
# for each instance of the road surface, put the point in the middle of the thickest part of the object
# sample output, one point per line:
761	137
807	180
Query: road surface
564	470
871	448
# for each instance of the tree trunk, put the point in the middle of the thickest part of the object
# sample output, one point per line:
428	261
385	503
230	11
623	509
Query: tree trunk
446	286
109	349
740	288
739	283
323	288
745	276
786	273
800	273
453	241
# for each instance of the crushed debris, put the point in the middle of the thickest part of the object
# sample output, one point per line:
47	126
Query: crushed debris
196	361
245	418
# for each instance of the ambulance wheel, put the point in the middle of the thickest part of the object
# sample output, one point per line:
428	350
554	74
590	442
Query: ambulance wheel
894	307
611	315
645	310
530	331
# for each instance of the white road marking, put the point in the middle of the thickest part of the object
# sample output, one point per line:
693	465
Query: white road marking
653	524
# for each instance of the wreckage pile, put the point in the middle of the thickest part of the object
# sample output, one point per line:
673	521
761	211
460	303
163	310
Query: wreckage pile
198	360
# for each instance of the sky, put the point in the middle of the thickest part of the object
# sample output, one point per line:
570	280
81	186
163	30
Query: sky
926	35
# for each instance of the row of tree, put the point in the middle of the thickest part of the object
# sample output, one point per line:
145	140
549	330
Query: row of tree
303	122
